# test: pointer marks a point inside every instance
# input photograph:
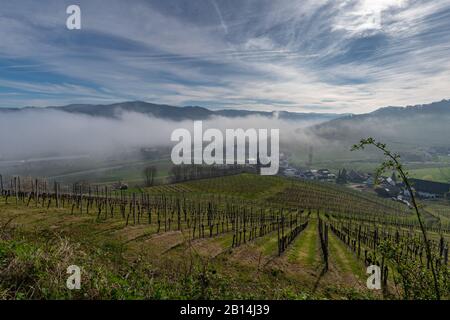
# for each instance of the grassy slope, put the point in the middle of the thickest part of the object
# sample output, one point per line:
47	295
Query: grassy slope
304	250
119	263
134	262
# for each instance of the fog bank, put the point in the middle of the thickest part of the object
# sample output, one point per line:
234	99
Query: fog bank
51	133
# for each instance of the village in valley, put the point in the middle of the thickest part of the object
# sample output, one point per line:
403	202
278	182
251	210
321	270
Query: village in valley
385	186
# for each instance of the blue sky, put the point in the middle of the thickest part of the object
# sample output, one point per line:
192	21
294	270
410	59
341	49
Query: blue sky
310	56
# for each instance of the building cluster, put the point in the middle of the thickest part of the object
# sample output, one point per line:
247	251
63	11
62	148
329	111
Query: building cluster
120	186
310	174
387	187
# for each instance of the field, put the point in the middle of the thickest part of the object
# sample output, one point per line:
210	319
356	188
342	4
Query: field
235	237
107	171
441	174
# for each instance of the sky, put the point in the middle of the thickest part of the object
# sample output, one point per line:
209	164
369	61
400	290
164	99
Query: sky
335	56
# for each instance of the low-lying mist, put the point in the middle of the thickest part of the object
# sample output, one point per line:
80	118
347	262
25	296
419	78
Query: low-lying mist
53	142
32	134
423	131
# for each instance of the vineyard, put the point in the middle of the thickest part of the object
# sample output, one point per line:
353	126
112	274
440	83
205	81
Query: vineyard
240	236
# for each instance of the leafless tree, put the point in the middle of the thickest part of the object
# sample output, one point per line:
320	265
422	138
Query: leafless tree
149	175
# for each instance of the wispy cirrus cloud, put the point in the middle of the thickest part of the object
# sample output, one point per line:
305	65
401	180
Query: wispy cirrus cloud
272	55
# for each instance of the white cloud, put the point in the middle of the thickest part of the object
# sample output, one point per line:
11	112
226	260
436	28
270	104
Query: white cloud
258	54
363	16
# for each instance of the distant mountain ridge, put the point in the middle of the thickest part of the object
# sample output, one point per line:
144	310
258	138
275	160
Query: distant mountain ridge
427	124
440	108
329	120
175	113
431	108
